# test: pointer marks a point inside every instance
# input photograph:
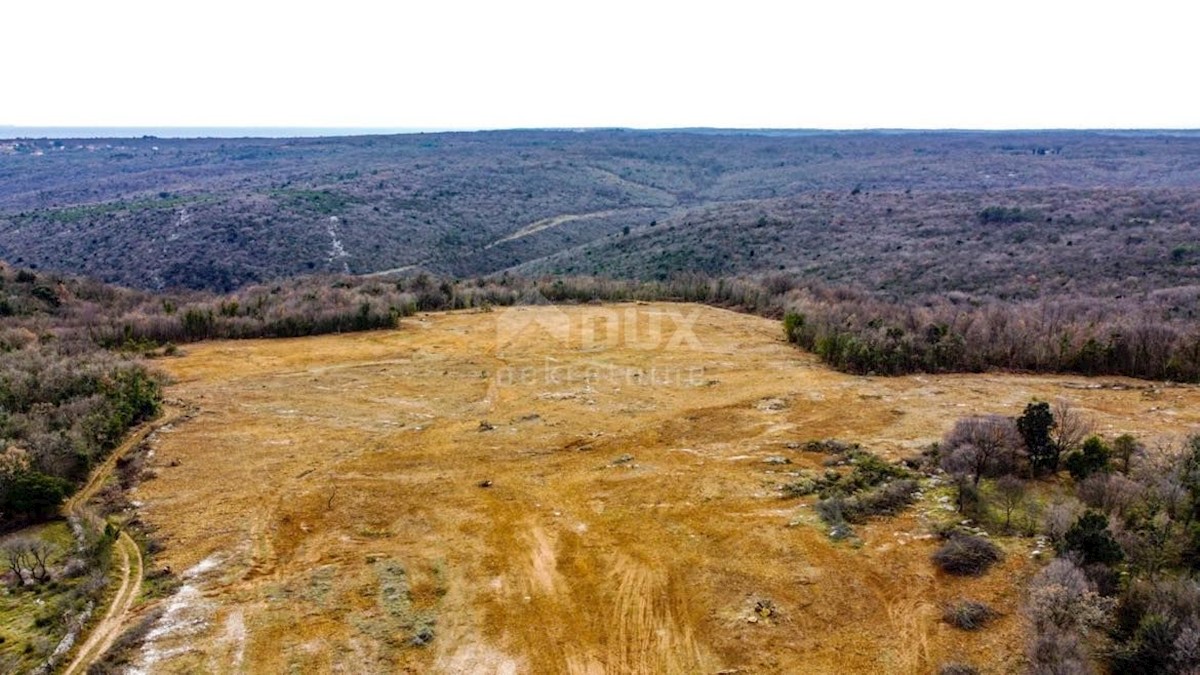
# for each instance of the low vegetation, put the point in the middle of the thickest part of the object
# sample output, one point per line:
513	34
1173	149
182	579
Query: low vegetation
1121	590
905	215
968	614
967	555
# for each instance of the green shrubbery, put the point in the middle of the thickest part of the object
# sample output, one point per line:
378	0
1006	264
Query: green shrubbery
872	487
61	414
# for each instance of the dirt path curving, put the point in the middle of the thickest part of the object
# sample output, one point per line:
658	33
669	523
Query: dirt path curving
125	549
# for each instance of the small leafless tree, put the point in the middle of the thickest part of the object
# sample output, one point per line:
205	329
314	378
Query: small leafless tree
1110	492
17	559
1071	426
982	446
28	559
1059	517
1060	596
1011	493
39	553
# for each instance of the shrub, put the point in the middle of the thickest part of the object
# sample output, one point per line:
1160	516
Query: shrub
1005	215
869	471
1090	538
30	495
1124	448
886	500
1110	492
830	446
833	512
1092	458
1057	652
1062	597
1058	519
965	554
799	487
1158	627
968	614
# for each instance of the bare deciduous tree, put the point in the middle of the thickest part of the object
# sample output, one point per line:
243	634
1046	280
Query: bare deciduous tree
982	446
28	558
1011	493
17	559
1071	426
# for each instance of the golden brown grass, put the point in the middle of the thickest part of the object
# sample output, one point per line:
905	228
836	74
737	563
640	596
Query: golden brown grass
334	485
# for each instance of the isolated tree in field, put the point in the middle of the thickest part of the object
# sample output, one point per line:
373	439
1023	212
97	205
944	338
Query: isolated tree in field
1035	425
982	446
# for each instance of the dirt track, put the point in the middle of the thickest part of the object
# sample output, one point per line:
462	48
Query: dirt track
531	491
125	550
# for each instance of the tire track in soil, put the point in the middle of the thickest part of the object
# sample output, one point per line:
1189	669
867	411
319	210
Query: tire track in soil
102	636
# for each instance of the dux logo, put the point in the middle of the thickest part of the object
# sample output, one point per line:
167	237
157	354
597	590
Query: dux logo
599	327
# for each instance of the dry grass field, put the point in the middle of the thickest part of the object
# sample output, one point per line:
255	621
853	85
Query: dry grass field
565	490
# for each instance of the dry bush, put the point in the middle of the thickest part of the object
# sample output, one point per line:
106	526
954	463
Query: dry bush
1054	651
968	614
1058	518
1061	596
1064	609
966	554
1112	493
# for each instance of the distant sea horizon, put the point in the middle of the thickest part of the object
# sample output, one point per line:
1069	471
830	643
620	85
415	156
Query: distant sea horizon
16	132
13	132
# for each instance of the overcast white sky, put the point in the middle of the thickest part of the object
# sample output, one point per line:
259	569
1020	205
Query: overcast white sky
637	63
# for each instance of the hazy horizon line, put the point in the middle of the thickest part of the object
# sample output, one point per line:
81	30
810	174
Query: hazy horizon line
55	132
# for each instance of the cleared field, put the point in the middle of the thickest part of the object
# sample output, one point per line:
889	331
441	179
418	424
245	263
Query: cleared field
575	490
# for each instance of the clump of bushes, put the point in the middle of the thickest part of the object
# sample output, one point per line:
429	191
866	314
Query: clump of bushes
60	413
830	446
1063	607
1158	627
968	614
966	555
885	500
867	471
873	487
1005	215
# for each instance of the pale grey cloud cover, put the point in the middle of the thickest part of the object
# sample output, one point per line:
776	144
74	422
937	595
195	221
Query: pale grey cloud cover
468	64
